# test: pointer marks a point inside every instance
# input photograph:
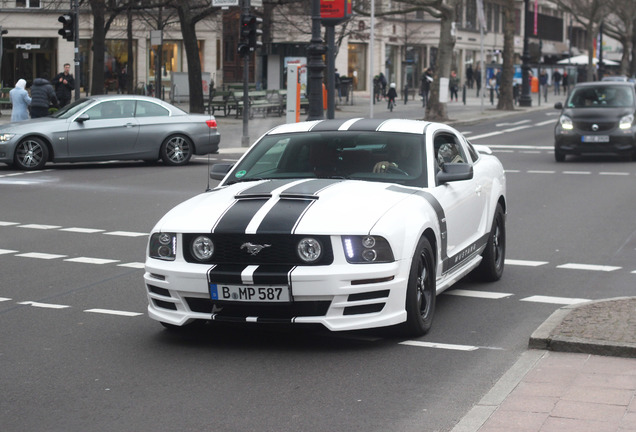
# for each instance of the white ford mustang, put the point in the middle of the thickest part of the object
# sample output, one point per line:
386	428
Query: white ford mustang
350	224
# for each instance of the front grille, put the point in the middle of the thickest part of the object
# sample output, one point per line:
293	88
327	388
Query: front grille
602	126
262	311
281	249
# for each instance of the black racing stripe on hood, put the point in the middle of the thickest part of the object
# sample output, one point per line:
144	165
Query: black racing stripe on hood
272	275
284	216
310	188
366	125
238	216
226	273
328	125
264	188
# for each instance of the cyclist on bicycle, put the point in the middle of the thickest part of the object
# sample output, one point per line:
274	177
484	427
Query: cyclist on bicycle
391	95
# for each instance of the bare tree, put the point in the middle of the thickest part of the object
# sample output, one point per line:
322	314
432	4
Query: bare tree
506	101
590	14
620	26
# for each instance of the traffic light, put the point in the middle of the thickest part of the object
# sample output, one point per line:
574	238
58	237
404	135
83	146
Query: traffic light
255	32
68	26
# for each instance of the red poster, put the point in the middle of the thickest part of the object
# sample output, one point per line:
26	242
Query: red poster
332	9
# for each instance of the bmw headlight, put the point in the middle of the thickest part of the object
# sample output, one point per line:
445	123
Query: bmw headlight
163	246
4	137
367	249
626	122
309	250
202	248
566	122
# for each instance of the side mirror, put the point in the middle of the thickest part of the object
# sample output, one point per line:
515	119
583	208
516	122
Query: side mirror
82	118
219	171
558	105
452	172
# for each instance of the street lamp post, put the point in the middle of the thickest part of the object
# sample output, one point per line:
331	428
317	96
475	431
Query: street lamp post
315	65
525	100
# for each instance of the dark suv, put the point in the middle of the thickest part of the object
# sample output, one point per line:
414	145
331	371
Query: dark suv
598	117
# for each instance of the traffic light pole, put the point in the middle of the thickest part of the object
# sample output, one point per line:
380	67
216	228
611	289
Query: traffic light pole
245	140
76	60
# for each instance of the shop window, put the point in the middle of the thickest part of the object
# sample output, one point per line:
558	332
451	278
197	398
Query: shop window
27	3
170	60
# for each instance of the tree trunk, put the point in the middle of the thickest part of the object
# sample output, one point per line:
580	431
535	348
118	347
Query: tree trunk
98	9
192	55
436	110
589	42
506	101
130	69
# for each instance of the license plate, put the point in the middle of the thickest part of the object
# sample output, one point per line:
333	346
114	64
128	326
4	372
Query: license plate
248	293
595	138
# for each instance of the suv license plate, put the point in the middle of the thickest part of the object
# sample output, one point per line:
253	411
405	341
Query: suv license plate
248	293
595	138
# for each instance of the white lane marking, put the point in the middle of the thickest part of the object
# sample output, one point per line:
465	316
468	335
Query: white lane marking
3	299
577	172
574	266
4	223
439	345
40	227
39	255
512	171
525	263
519	147
43	305
608	173
517	128
540	172
136	265
7	251
88	260
126	234
82	230
477	294
546	122
486	135
554	300
513	124
113	312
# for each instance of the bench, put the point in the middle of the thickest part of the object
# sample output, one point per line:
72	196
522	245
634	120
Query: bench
5	101
262	104
220	101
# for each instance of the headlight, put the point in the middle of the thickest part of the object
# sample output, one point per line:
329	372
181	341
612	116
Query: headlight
626	122
163	246
367	249
202	248
566	122
6	137
309	250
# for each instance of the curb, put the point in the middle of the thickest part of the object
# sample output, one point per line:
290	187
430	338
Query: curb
547	337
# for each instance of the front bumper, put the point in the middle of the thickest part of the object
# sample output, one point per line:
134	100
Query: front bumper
340	296
571	142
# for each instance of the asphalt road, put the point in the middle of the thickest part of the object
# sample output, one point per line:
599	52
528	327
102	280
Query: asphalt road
78	353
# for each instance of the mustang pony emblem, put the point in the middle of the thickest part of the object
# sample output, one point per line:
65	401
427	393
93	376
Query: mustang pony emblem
252	248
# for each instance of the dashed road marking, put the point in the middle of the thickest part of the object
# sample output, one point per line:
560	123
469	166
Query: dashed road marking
43	305
136	265
554	300
7	251
126	234
4	299
525	263
4	223
477	294
40	255
592	267
82	230
87	260
439	345
113	312
39	227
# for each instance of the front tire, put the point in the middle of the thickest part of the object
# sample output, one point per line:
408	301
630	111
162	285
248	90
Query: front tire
559	156
421	292
31	154
176	150
492	264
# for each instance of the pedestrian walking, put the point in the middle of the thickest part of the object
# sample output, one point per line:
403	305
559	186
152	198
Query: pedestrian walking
564	82
543	85
42	97
425	85
453	85
556	80
64	83
20	101
391	96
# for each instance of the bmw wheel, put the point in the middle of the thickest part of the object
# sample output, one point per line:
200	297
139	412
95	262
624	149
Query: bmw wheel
176	150
492	264
31	154
421	291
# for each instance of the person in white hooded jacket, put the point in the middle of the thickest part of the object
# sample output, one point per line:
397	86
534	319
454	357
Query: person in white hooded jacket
20	101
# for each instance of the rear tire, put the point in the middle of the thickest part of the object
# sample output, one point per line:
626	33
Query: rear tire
176	150
421	292
492	264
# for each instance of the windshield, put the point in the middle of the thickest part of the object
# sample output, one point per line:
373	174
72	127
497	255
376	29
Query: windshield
374	156
72	109
601	96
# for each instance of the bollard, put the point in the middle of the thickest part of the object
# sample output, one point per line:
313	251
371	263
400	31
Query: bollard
464	94
492	96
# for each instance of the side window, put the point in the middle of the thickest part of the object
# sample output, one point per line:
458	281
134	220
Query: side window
111	110
150	109
448	149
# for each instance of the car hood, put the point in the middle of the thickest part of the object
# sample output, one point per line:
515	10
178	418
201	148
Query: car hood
26	125
597	114
313	206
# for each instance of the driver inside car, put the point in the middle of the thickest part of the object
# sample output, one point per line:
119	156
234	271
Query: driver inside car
401	160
